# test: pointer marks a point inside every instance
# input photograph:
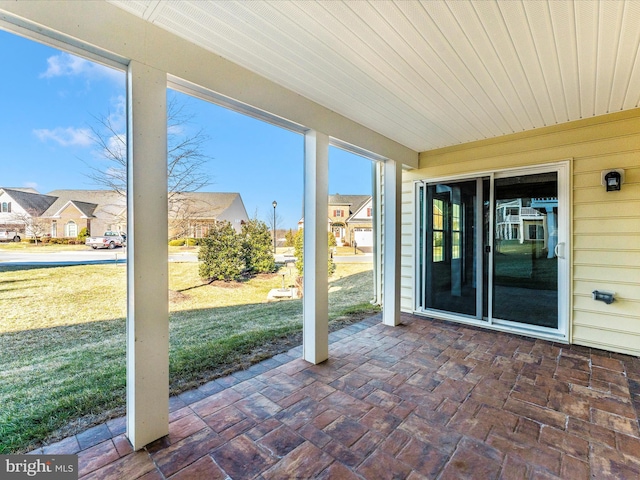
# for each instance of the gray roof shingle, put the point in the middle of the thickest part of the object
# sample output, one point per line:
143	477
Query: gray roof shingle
34	203
354	201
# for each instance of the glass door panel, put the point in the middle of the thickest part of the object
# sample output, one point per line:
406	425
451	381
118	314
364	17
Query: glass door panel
450	215
525	265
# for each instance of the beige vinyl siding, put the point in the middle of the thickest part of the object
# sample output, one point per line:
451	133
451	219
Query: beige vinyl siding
606	250
605	241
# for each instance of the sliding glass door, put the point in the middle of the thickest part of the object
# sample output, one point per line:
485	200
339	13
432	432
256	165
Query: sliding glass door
451	274
525	265
491	248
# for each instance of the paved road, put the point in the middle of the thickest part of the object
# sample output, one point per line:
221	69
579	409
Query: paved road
81	257
119	255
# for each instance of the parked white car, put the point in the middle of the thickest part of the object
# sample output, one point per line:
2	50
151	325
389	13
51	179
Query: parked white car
9	236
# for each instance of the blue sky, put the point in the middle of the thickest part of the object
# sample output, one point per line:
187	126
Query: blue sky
50	101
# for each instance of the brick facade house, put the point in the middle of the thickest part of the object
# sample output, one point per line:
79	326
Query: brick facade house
64	213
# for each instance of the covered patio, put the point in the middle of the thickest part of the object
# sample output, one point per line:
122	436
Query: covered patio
433	92
425	399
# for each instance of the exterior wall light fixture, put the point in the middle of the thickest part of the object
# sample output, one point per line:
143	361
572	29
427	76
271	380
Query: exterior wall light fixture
612	179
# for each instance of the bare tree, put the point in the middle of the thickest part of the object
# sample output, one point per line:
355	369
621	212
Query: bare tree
274	223
186	159
34	225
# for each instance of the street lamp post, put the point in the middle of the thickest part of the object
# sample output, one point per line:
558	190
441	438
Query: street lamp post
275	204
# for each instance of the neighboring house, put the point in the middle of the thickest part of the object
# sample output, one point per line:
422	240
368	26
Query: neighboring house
517	222
360	225
64	213
20	209
534	222
350	219
192	214
97	210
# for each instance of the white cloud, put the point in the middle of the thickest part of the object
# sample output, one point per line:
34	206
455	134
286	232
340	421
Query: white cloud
118	116
67	137
67	65
176	130
118	145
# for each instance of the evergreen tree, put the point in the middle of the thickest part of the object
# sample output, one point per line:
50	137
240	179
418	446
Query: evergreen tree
257	251
289	239
220	254
298	247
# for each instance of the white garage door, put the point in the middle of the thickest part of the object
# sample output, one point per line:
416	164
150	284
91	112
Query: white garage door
364	237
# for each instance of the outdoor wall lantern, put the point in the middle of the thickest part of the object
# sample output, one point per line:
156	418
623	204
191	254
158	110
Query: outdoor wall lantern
612	179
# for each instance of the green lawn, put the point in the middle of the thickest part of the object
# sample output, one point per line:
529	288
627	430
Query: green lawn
39	248
62	338
525	265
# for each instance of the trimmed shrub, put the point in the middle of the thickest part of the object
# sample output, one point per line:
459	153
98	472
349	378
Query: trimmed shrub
299	240
289	239
181	242
332	239
82	236
257	249
220	254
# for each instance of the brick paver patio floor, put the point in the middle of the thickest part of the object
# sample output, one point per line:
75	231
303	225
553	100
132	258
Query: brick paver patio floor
426	399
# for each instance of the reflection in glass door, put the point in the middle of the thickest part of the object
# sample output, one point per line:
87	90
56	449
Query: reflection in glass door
491	250
450	213
525	265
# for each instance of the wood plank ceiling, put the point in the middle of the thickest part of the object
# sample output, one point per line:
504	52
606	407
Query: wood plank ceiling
428	74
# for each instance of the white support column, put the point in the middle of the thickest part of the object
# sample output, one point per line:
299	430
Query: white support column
391	224
147	263
376	191
316	250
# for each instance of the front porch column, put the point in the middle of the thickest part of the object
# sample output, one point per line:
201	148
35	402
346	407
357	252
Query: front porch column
391	224
316	251
147	262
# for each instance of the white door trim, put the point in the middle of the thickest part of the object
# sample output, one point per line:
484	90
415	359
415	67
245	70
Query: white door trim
561	334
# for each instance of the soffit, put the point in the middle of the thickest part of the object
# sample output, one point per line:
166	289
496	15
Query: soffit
428	74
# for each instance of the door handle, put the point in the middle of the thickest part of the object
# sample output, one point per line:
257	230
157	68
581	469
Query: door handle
556	250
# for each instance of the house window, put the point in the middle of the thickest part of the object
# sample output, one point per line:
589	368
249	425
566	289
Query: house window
455	233
337	213
54	228
71	229
536	232
438	230
369	211
6	207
